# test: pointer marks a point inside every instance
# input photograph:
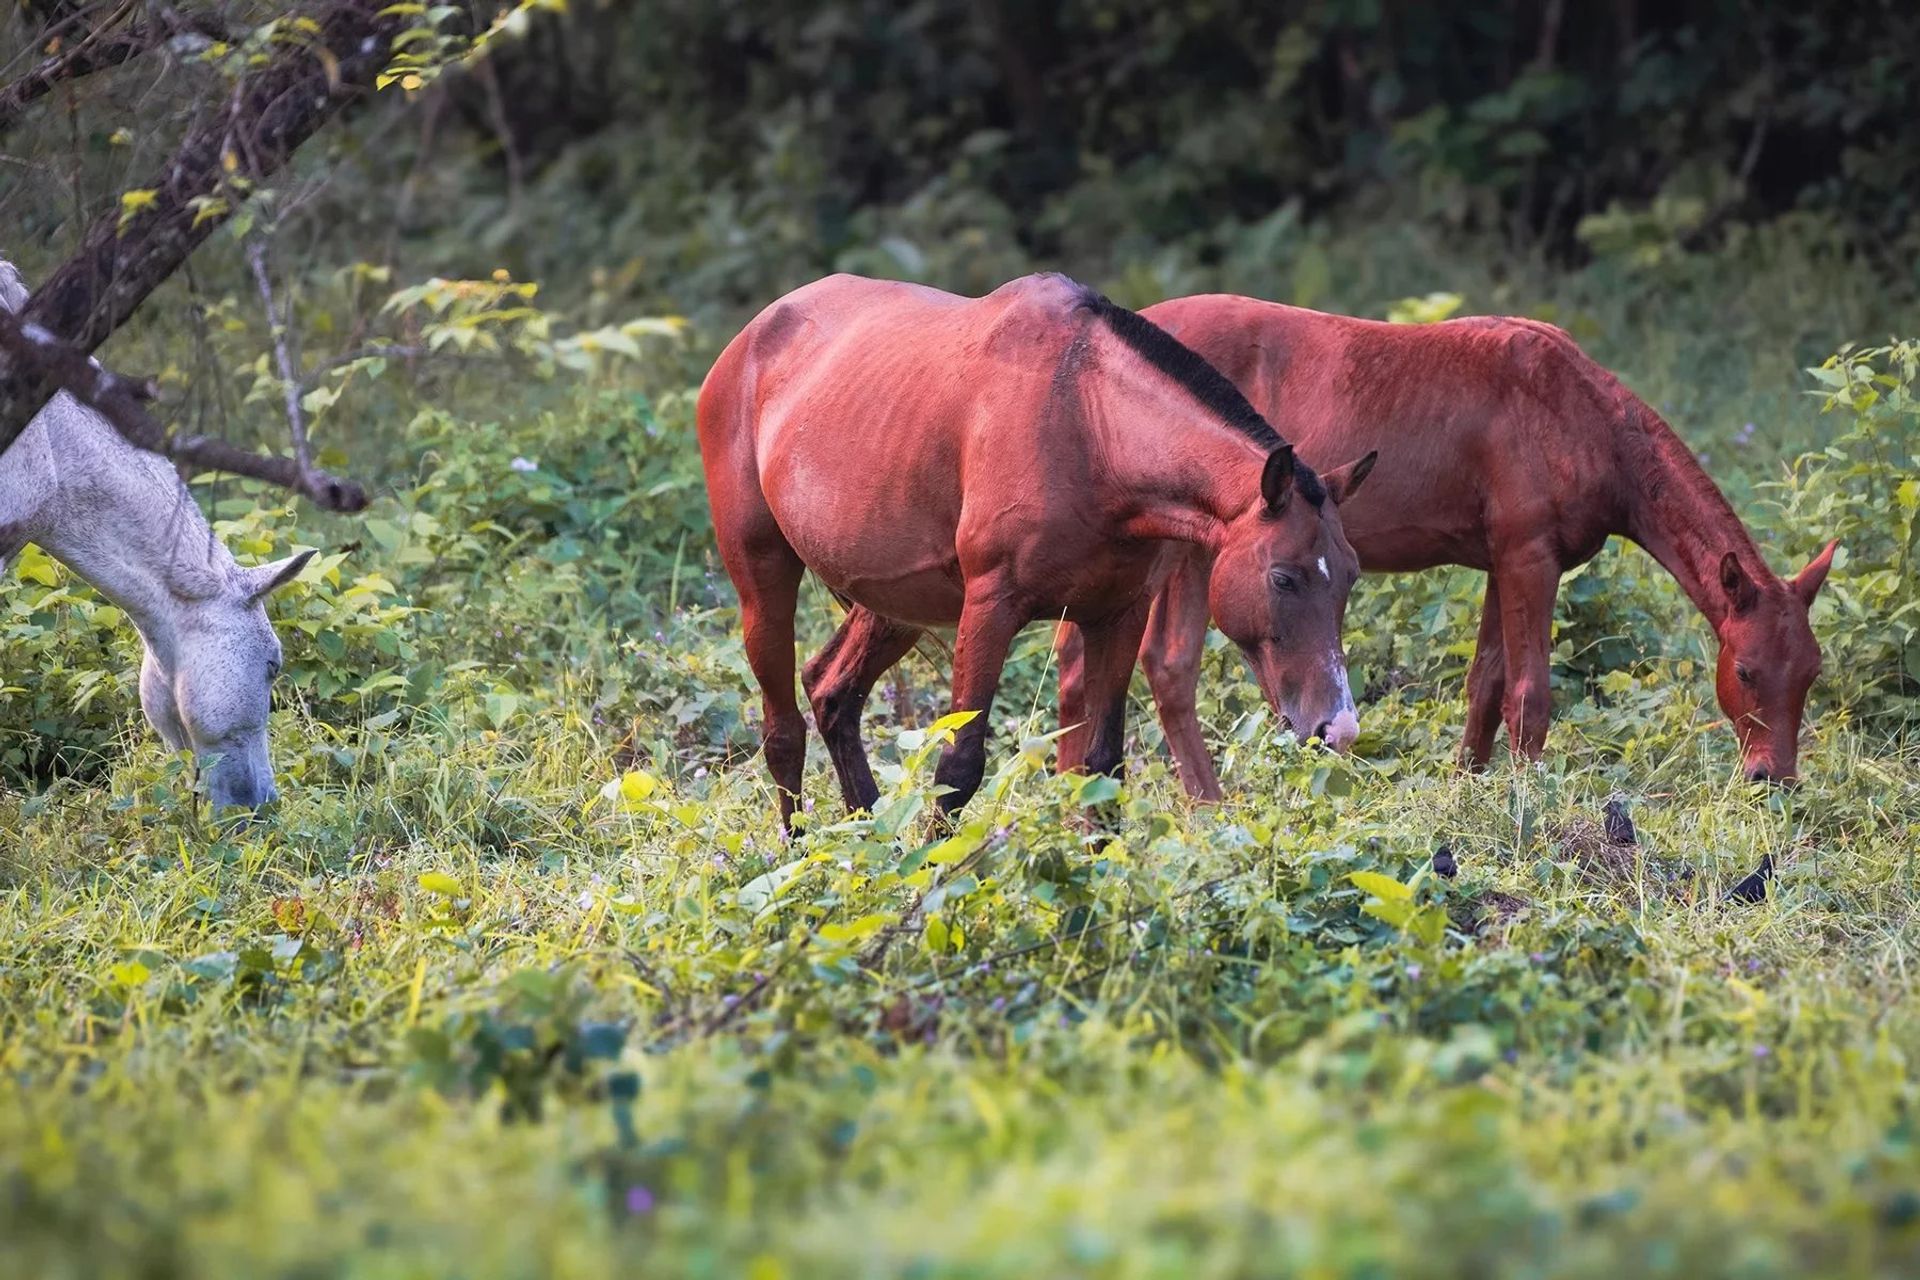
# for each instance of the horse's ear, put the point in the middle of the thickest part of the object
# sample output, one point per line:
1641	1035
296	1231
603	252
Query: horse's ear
1741	592
1276	479
1341	482
262	580
1807	583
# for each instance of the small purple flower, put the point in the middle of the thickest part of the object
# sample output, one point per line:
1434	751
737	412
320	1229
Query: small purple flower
1705	458
1413	972
999	1003
1761	1051
639	1200
524	464
1538	957
1744	435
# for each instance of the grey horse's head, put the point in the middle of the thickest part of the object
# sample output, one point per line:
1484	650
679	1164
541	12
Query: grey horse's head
209	690
206	681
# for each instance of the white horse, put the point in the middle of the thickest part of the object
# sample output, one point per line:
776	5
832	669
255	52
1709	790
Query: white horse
121	518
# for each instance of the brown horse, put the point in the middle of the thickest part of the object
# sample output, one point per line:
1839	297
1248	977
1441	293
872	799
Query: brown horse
1033	454
1515	454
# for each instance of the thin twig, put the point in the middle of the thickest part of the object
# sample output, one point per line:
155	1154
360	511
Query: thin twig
99	48
378	351
283	354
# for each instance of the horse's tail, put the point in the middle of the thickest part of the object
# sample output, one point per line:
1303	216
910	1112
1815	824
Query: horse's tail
930	645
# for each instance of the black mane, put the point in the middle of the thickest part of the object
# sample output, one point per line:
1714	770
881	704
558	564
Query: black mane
1204	382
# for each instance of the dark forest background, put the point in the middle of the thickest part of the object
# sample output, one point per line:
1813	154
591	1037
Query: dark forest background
708	152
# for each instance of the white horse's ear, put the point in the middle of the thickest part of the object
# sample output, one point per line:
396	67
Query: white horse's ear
262	580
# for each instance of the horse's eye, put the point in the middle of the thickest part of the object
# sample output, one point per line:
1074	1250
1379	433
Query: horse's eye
1740	670
1283	581
273	669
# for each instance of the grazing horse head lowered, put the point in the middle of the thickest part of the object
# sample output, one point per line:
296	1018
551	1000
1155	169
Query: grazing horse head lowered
989	462
121	518
1280	594
1768	661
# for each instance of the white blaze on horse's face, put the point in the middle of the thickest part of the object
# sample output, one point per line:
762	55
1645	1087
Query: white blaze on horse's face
213	693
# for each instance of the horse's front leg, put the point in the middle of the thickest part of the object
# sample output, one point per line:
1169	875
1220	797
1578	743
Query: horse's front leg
988	621
1070	655
1528	585
1176	640
1486	685
1110	651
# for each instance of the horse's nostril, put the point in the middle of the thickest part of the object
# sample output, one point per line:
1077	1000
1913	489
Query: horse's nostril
1324	730
1759	773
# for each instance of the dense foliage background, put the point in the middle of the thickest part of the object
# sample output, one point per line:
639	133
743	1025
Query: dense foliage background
520	979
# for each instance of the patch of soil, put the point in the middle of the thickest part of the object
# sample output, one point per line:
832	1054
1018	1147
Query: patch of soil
1607	865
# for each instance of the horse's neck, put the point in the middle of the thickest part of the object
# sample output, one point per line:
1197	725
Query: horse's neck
1680	516
1182	474
122	520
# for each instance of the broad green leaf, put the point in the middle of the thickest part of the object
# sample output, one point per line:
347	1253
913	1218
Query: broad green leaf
854	931
441	883
1385	888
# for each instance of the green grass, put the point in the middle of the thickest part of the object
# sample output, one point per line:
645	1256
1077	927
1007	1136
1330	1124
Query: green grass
1189	1052
520	980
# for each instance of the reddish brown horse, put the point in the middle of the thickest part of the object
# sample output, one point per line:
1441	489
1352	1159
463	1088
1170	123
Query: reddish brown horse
1516	454
988	462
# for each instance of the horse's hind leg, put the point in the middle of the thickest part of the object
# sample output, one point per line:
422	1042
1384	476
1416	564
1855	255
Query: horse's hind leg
1486	684
1176	639
838	681
766	572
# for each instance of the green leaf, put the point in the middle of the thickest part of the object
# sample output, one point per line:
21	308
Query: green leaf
128	974
956	846
952	720
1394	913
854	931
132	203
1098	789
1386	888
441	883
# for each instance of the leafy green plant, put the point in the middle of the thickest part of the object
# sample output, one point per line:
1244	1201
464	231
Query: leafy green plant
1863	488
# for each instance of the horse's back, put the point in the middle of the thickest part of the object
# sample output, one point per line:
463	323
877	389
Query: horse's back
1482	421
862	413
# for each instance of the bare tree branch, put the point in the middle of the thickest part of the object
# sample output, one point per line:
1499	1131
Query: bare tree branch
98	49
378	351
273	110
283	355
122	402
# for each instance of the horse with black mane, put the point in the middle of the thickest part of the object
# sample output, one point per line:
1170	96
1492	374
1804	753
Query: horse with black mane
989	462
